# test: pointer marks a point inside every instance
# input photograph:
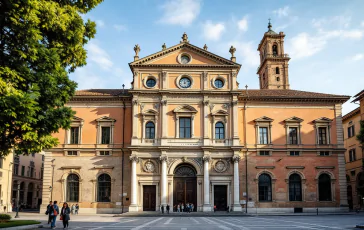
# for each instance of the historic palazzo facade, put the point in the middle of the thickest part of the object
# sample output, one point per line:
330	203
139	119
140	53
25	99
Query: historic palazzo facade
185	133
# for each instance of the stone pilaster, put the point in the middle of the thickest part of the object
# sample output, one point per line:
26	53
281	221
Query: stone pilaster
236	205
135	116
164	182
206	187
134	193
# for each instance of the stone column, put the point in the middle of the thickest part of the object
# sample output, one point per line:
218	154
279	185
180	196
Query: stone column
134	193
134	139
236	204
164	159
206	187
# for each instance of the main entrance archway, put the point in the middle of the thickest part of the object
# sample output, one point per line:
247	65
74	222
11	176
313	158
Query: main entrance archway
185	185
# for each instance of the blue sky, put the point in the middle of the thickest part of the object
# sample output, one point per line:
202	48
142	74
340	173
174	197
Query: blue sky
325	39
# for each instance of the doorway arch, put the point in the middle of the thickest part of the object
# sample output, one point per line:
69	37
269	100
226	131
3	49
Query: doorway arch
185	185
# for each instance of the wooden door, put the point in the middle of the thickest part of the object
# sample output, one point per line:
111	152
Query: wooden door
185	191
149	201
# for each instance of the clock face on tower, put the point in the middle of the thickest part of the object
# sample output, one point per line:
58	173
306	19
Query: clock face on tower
185	82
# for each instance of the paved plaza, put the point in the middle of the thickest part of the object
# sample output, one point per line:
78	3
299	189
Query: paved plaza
209	222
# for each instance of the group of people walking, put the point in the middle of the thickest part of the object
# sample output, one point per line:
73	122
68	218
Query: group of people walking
66	211
188	207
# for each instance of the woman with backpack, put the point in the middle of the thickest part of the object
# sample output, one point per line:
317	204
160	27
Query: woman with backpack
65	215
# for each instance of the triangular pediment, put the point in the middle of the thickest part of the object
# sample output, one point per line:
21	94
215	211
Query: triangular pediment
220	113
150	112
76	119
185	109
170	56
294	119
105	118
323	120
263	119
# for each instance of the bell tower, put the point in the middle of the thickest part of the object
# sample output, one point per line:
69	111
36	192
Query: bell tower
273	68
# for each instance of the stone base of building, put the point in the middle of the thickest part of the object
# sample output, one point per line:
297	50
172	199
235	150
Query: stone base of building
207	208
292	210
237	208
133	208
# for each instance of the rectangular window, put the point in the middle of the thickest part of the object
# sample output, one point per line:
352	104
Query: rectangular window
185	127
22	170
263	153
16	169
352	155
322	135
31	172
74	135
72	153
294	153
351	131
324	153
263	135
1	162
293	137
105	135
104	153
352	173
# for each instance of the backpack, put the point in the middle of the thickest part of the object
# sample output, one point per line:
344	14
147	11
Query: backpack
53	211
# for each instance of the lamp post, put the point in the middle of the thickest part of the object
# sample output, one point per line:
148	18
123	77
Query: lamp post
51	188
17	201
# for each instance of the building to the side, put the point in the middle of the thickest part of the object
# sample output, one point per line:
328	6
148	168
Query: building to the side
6	165
185	133
354	154
27	180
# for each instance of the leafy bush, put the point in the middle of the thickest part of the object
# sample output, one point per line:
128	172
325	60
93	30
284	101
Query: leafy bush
4	218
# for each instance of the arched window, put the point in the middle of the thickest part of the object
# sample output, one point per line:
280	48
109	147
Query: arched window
104	188
265	187
277	70
324	187
219	130
149	130
295	187
73	188
275	50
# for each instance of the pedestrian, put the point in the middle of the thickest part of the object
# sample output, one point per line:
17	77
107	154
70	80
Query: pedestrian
182	207
167	208
77	208
192	207
65	215
178	208
215	208
48	212
54	214
188	207
4	209
162	208
73	209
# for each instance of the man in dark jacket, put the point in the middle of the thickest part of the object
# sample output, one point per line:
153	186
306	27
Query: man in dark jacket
48	212
167	208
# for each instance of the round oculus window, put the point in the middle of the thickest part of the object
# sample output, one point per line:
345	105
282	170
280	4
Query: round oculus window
185	59
219	83
185	82
151	82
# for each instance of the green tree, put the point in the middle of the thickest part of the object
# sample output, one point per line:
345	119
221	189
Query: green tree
41	42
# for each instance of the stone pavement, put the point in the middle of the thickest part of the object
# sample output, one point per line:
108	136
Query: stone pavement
185	222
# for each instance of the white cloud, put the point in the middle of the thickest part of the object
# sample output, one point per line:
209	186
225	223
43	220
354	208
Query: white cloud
99	56
213	31
180	12
282	12
100	23
337	21
243	24
351	34
120	27
357	57
362	23
87	79
304	45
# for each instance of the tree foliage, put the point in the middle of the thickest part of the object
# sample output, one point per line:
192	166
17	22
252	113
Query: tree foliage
41	41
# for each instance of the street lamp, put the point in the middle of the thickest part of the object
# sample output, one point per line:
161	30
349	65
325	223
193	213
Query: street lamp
51	188
17	201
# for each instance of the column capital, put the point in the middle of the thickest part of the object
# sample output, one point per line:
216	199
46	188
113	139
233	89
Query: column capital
134	158
236	158
206	158
163	158
163	102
